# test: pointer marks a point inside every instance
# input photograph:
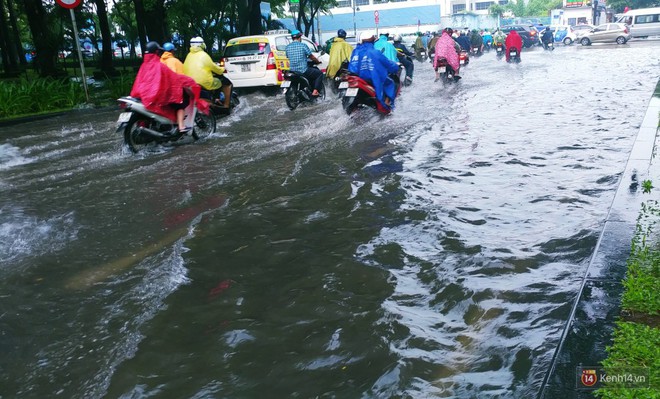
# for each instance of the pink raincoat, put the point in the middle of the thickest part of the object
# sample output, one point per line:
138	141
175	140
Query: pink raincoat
444	48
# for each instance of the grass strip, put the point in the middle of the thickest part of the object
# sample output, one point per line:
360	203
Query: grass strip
637	336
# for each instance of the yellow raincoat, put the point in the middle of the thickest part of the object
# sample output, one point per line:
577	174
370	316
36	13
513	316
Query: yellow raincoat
340	51
172	62
199	66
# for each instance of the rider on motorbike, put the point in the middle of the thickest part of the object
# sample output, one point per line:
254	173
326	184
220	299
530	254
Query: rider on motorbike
463	41
371	65
386	48
476	41
298	53
547	37
498	37
169	59
340	52
404	53
487	39
419	46
199	66
513	40
447	48
162	90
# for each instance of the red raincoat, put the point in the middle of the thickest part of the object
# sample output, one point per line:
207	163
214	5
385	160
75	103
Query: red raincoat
158	87
513	39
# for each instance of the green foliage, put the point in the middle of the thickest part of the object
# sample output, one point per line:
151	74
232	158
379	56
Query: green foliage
647	185
619	5
35	96
635	345
533	8
496	9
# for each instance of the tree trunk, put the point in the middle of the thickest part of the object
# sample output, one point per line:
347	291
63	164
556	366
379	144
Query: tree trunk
139	20
44	41
154	22
16	36
255	17
106	38
8	46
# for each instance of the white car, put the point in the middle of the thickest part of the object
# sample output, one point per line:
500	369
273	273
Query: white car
254	61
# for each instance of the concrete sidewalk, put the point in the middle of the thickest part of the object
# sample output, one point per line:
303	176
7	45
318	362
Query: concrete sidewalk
591	322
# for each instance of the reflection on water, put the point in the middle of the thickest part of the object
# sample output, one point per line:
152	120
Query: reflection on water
307	254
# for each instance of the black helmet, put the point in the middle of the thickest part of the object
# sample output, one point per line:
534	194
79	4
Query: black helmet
341	33
153	48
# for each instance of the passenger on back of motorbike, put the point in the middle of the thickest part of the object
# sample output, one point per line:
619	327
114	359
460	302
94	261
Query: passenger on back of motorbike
297	52
161	90
169	59
340	53
404	58
447	48
371	65
199	66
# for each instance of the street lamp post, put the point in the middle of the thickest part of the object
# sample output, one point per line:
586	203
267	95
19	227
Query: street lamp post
354	26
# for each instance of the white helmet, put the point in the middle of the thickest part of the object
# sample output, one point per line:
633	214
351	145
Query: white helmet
366	36
397	38
197	41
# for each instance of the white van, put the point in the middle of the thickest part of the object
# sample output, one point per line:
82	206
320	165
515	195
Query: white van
642	22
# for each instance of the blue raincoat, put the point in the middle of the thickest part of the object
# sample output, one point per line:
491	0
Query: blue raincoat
386	48
371	65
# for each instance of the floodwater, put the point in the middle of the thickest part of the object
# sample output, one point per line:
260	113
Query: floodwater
433	253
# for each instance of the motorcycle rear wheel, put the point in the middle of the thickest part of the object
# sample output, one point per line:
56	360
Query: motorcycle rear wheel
291	96
132	137
349	104
204	125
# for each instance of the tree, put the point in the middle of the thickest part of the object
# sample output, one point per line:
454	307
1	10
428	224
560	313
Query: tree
10	60
106	38
619	5
45	42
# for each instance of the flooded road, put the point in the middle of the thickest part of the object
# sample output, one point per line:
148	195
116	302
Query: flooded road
434	253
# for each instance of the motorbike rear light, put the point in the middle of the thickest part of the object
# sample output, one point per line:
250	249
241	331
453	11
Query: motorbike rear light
280	76
270	65
122	105
222	62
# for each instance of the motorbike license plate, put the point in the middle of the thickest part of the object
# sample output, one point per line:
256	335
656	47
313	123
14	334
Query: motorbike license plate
124	117
245	67
462	62
343	85
499	49
286	83
443	69
351	92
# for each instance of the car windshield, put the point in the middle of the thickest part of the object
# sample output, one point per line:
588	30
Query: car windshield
243	49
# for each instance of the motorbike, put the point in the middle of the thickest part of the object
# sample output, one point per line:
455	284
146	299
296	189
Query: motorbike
488	46
499	49
401	55
514	55
421	55
359	93
142	128
464	58
447	73
217	97
339	77
297	89
475	51
549	46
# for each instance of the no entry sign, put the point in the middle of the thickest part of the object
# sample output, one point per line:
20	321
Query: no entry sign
376	17
69	3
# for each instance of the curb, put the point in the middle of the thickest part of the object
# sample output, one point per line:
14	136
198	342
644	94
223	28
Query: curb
33	118
591	322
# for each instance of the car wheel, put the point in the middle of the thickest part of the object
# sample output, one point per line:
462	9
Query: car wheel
568	41
620	40
585	41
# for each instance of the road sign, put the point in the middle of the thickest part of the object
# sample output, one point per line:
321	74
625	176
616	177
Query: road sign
69	3
376	16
